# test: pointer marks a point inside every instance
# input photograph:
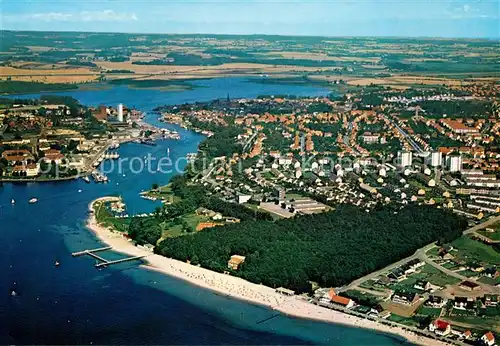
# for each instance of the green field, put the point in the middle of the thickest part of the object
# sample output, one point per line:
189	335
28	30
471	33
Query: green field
177	227
473	250
428	311
495	236
428	273
476	322
106	218
408	321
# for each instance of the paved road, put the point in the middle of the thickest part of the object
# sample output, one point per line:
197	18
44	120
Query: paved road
487	223
421	254
399	263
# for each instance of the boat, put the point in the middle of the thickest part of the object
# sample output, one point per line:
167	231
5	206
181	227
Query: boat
57	264
13	201
13	293
86	179
33	200
79	190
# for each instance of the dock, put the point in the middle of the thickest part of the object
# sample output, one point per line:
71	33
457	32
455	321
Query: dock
102	261
86	252
108	263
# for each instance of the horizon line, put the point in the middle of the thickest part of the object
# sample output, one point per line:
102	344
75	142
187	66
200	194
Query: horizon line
260	34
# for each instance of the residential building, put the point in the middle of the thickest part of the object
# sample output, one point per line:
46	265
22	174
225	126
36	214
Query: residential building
369	137
422	285
464	303
339	300
243	198
488	339
469	286
436	159
441	328
436	302
53	155
454	163
405	298
17	156
29	170
405	158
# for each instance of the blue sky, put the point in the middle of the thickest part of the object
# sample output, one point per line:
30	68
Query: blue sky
437	18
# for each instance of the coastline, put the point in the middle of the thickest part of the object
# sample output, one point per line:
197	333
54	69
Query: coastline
241	289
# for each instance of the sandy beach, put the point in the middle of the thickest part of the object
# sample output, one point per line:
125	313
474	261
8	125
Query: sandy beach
244	290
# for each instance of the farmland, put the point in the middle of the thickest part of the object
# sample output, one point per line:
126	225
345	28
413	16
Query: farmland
75	58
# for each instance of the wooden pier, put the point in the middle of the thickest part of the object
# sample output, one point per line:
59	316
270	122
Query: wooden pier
104	262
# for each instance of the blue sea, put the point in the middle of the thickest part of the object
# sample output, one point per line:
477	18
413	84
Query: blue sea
77	304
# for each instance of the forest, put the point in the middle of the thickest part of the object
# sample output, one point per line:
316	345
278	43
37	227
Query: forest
330	249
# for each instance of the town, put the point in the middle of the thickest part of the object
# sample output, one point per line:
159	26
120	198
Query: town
55	138
278	157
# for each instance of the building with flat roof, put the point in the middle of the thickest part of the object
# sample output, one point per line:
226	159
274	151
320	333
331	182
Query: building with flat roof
235	262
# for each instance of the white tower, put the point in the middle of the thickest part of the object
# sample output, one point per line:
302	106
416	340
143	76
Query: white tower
120	113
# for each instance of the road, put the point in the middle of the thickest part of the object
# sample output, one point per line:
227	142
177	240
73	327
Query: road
394	265
408	138
474	229
249	142
421	254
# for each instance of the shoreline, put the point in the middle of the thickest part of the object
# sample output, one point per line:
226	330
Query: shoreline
237	288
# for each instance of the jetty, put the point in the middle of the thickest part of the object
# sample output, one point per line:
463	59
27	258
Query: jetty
102	261
108	263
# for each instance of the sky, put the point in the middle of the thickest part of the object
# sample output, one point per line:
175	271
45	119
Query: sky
430	18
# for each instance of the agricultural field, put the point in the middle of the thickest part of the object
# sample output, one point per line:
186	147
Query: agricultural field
99	57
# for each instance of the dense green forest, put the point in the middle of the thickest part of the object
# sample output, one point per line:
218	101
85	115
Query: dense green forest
331	249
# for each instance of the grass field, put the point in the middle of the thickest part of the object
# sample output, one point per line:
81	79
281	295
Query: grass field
427	273
476	322
403	320
473	250
106	218
428	311
495	236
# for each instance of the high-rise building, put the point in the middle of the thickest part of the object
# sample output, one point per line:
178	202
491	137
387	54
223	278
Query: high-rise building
120	113
436	159
454	163
405	158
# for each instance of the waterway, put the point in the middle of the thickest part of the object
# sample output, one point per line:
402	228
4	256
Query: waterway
77	304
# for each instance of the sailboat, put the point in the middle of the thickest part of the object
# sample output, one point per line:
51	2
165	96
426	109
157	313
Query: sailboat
13	201
168	152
